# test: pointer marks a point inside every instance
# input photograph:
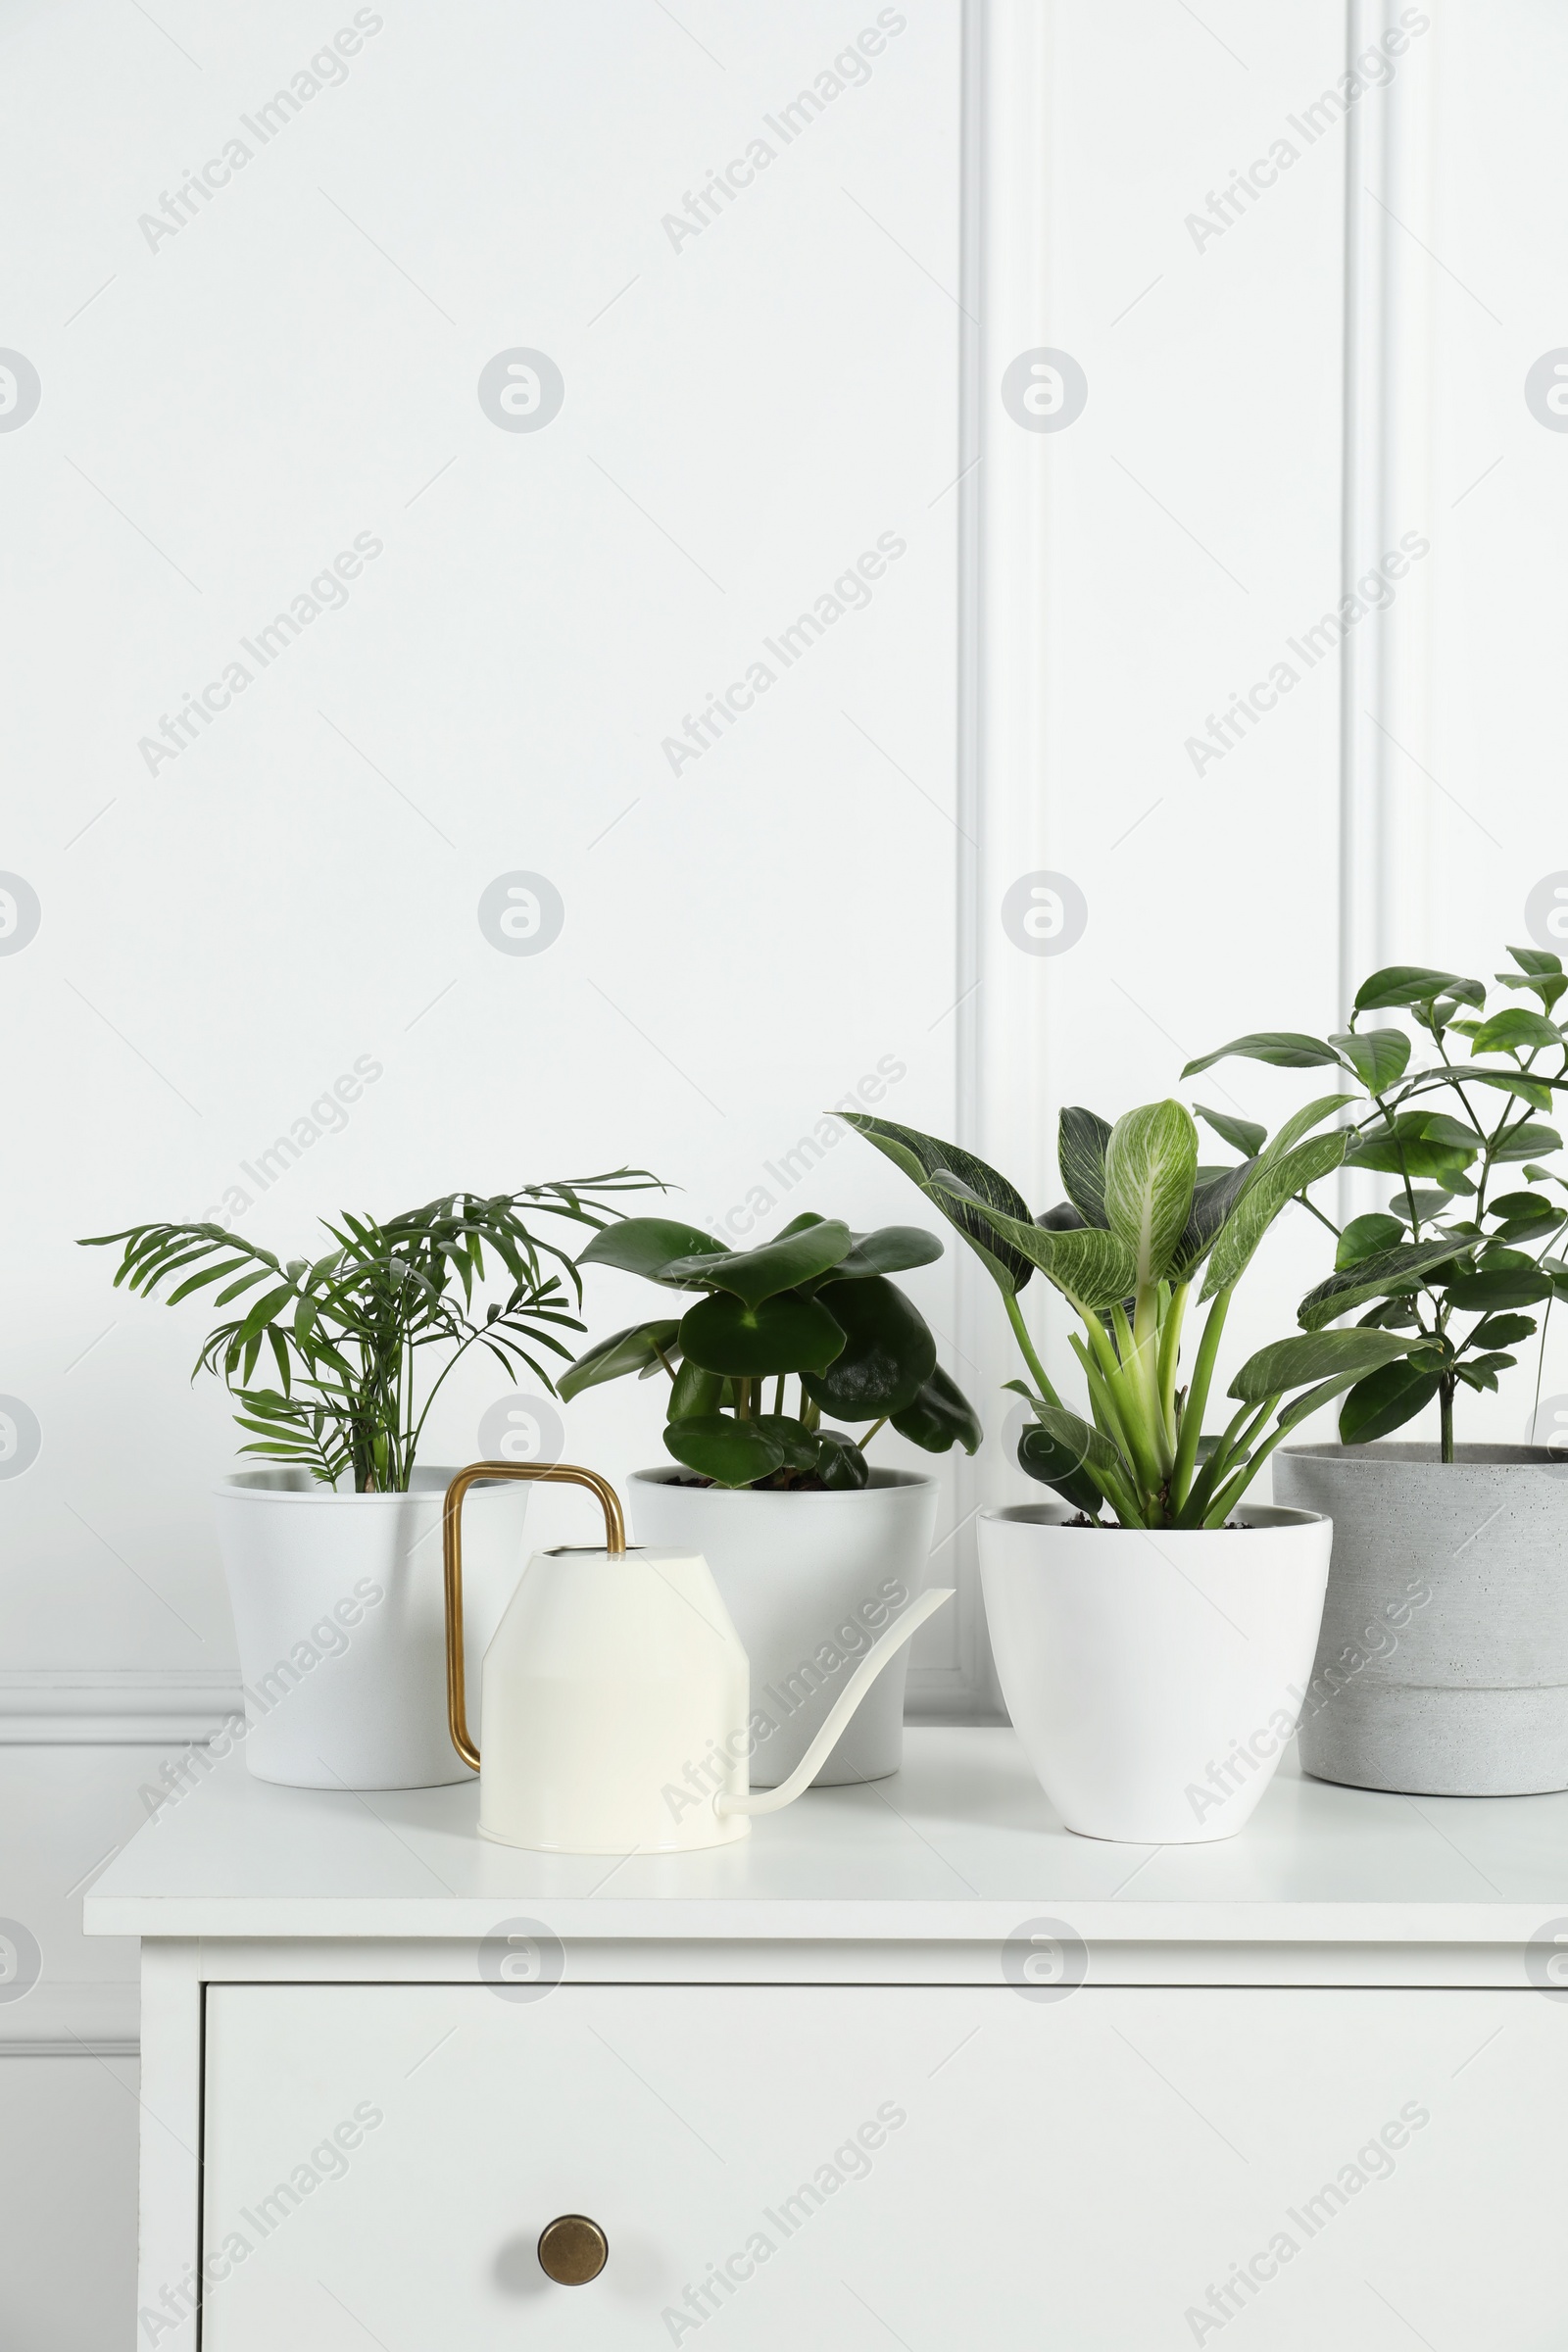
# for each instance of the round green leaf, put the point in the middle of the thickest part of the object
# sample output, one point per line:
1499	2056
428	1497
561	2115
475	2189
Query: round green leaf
732	1452
840	1464
629	1350
888	1353
940	1417
786	1333
647	1245
795	1443
890	1249
779	1265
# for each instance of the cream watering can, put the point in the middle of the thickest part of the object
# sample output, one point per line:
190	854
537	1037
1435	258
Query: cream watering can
616	1695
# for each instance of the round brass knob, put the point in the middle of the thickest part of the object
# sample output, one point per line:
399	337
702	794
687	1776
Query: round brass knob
573	2249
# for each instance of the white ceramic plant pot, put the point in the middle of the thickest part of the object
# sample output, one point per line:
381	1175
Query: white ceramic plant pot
1155	1680
808	1581
340	1620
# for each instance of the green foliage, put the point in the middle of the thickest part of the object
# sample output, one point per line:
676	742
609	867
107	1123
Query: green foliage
815	1302
344	1333
1140	1224
1447	1246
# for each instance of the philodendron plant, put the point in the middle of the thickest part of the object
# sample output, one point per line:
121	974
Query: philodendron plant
1445	1245
1144	1228
816	1304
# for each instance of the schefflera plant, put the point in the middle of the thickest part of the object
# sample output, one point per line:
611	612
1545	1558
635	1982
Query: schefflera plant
1471	1228
1144	1228
815	1303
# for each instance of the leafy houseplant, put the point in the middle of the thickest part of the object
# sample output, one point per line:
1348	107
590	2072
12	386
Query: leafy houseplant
815	1305
1451	1240
337	1594
1143	1228
1118	1657
345	1331
1462	1265
811	1547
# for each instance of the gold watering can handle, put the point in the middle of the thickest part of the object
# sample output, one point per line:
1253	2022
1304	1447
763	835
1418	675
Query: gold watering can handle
452	1563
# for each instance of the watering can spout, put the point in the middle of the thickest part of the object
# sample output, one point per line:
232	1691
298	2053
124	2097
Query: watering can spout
769	1800
617	1706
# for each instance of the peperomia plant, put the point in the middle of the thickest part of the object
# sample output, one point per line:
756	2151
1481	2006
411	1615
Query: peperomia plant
817	1304
1144	1225
1448	1244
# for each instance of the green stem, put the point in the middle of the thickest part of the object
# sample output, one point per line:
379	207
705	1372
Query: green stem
1170	1344
778	1398
1021	1335
1192	1422
1446	1388
864	1442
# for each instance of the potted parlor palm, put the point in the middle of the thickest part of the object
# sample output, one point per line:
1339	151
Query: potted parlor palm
1154	1627
332	1553
1466	1542
812	1547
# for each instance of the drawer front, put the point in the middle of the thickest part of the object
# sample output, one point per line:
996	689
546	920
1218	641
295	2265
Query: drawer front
851	2166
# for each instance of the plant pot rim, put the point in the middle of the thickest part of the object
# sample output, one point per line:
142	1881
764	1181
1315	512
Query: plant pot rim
883	1482
1257	1519
1401	1456
432	1480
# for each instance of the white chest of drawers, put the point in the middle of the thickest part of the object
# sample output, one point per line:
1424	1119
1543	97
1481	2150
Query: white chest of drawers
909	2066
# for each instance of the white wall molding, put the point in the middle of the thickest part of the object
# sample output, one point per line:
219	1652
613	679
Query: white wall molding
128	1706
72	2020
1386	831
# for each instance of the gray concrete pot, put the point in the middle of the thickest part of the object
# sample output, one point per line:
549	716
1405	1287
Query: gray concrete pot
1443	1665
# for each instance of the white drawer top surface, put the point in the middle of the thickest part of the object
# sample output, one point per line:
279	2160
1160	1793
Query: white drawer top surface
960	1845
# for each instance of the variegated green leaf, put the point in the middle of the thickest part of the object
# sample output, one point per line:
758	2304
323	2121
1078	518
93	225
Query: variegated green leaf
1150	1161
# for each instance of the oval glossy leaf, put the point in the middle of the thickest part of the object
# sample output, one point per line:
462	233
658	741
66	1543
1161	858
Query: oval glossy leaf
920	1156
1242	1135
1414	984
1151	1164
1082	1137
1287	1049
1365	1237
840	1464
888	1353
629	1350
1528	1141
647	1245
786	1333
1411	1157
779	1265
733	1453
1288	1365
1383	1402
940	1417
890	1249
1497	1286
1515	1030
1504	1331
1392	1273
1378	1057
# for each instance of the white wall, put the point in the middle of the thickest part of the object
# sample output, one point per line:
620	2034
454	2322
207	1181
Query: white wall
820	894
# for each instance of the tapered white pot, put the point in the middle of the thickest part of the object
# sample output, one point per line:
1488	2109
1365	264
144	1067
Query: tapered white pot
1155	1680
809	1581
339	1618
